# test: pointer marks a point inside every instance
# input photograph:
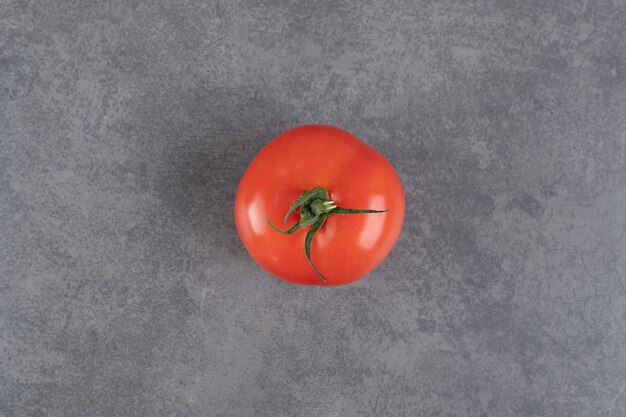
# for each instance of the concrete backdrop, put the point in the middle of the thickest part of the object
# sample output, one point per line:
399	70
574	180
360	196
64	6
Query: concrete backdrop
126	125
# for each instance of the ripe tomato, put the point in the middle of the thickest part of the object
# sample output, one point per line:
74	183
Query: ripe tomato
353	175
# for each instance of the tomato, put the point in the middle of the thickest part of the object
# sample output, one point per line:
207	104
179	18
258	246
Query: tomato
338	172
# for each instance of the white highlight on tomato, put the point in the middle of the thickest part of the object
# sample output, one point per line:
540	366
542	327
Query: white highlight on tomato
257	222
374	224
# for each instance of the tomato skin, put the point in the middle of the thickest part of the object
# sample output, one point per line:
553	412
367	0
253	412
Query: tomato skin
356	176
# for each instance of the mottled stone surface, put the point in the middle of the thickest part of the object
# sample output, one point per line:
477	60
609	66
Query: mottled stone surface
125	126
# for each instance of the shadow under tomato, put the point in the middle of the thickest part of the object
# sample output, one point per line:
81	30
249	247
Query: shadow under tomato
208	149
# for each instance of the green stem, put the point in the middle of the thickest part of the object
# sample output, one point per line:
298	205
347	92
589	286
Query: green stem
314	207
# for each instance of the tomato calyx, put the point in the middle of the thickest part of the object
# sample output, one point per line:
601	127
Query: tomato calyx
314	207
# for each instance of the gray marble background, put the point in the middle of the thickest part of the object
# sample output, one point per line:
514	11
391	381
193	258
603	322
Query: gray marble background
125	127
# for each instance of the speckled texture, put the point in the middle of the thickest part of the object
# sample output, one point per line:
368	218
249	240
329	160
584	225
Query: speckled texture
125	127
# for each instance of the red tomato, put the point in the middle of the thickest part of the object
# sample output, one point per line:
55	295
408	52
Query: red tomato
347	246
